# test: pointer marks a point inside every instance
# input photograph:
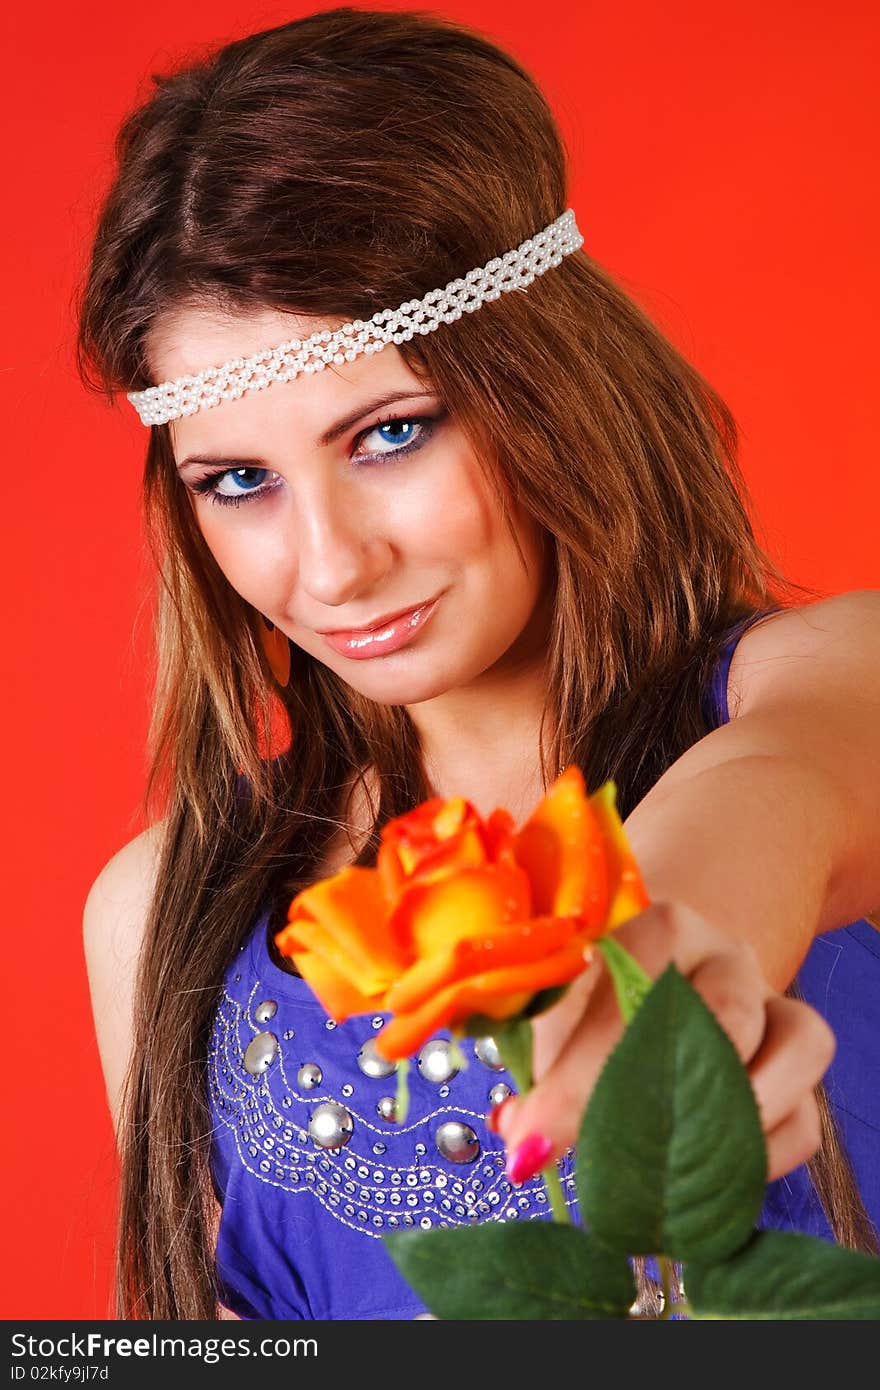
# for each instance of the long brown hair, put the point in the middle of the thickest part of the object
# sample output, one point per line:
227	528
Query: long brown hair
334	166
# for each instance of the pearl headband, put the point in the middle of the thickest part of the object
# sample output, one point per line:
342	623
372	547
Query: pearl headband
514	271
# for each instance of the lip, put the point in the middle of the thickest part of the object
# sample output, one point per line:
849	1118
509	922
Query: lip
371	627
386	636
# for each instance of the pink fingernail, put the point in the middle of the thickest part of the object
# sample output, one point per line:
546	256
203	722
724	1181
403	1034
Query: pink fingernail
528	1158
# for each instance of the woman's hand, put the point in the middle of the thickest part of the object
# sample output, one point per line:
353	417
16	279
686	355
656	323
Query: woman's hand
785	1045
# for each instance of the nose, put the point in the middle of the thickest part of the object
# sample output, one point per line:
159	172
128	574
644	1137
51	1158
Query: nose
341	552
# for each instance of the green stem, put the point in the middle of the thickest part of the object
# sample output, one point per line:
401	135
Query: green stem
559	1206
515	1045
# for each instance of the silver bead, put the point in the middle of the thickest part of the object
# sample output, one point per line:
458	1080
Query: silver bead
387	1108
260	1053
487	1051
457	1142
435	1061
499	1092
309	1076
263	1012
330	1125
371	1064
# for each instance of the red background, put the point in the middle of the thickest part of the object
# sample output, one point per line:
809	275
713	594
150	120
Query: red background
721	169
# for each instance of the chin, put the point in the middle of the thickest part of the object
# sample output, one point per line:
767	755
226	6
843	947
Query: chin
399	688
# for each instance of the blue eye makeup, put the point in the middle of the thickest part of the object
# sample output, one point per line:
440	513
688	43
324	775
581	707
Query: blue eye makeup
418	430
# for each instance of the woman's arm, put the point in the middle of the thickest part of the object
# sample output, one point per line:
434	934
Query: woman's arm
770	826
114	919
764	833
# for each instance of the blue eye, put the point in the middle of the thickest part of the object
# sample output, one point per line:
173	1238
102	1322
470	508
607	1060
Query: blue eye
418	431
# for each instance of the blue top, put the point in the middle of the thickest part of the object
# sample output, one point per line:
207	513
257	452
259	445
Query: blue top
302	1224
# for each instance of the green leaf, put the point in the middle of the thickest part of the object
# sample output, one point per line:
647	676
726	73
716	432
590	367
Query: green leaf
507	1269
631	982
783	1275
670	1155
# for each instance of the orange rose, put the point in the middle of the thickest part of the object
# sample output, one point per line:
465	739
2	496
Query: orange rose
463	916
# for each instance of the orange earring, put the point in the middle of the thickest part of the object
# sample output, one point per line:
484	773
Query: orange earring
277	649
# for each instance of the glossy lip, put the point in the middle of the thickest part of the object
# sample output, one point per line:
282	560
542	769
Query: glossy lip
371	627
387	637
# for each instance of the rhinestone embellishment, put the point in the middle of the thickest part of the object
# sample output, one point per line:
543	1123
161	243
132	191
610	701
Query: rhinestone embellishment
457	1142
330	1125
260	1053
435	1061
371	1064
487	1052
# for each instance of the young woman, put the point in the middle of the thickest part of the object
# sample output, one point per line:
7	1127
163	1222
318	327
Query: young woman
549	496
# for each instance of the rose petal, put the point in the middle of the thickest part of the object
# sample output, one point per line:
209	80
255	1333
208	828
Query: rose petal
514	945
338	995
351	911
431	917
629	895
561	848
497	993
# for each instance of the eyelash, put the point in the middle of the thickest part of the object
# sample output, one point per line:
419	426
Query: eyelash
207	484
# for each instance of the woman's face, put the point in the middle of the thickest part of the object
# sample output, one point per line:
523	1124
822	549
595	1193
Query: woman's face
323	515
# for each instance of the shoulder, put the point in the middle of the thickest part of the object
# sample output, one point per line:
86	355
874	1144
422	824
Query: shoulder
114	917
816	648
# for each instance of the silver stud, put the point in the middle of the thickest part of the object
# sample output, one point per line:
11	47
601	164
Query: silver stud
330	1125
347	1089
435	1061
487	1051
499	1092
387	1108
371	1064
309	1076
457	1142
378	1148
378	1022
263	1012
260	1053
420	1148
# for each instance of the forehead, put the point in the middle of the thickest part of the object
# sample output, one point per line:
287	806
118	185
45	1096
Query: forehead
187	340
191	337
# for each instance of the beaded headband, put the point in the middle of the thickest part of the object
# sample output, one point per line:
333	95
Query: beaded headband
513	271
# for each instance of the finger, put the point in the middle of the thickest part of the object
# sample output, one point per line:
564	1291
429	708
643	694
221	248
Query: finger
731	985
554	1107
796	1052
794	1140
552	1028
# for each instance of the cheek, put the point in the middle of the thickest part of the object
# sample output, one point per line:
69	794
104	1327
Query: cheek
244	552
448	514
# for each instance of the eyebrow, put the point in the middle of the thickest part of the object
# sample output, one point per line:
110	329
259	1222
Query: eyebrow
328	437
